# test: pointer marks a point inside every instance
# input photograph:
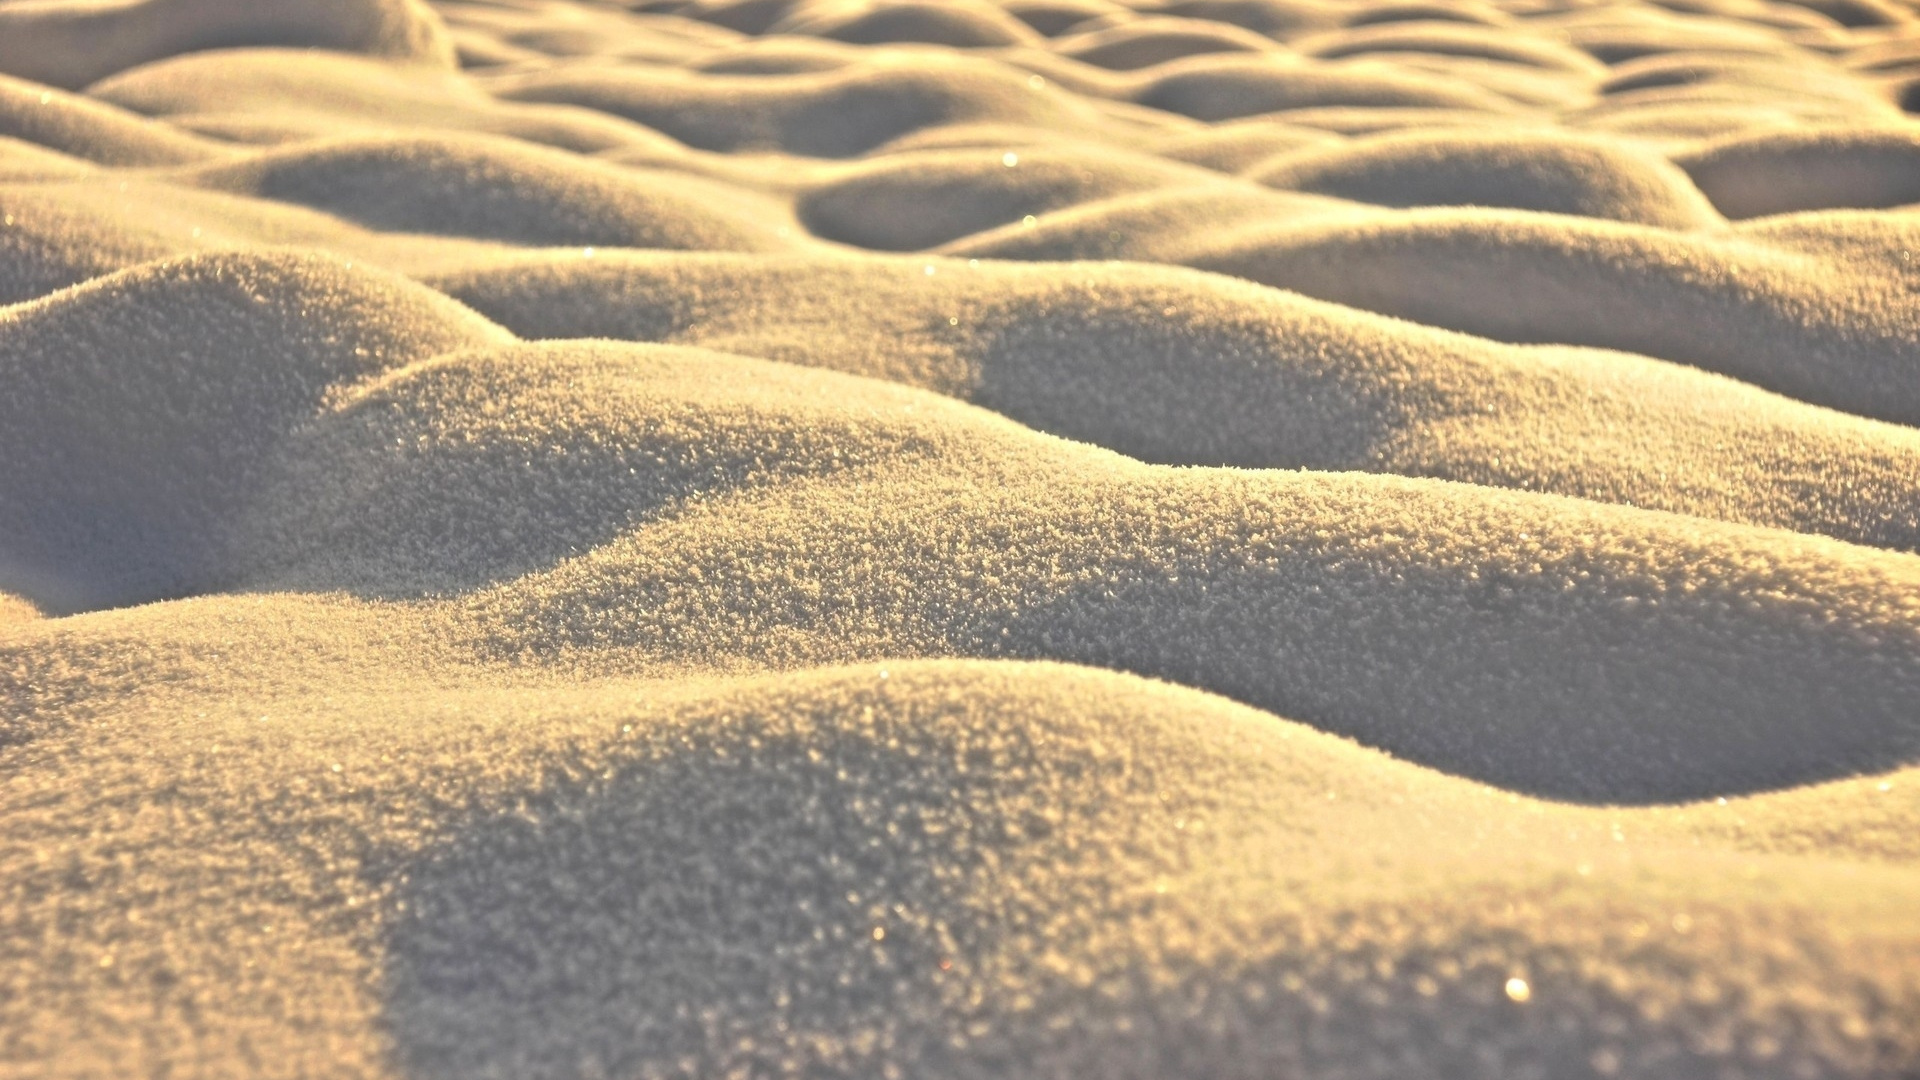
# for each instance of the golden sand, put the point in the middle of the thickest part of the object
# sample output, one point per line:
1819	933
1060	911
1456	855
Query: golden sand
709	538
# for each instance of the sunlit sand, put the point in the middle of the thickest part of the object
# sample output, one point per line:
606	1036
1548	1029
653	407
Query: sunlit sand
1054	538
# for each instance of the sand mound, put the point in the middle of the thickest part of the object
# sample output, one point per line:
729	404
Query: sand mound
87	129
1783	172
1056	17
882	863
497	189
961	25
139	407
61	234
699	886
1449	38
537	33
1213	88
1278	19
71	43
1395	11
47	243
1365	539
1693	79
1199	370
1153	226
1147	42
1683	626
1809	325
1546	173
240	90
837	113
1620	34
906	202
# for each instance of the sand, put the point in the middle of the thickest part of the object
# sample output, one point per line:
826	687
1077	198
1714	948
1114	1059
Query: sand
875	538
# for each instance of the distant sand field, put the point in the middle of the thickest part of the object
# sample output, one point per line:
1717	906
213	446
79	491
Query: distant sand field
1104	539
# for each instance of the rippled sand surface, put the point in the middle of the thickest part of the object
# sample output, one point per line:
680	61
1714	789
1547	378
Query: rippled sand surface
875	538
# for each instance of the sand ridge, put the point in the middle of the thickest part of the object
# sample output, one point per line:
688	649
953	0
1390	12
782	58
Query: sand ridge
1322	538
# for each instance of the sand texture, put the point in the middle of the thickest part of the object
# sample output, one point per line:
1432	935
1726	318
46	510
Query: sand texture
1291	539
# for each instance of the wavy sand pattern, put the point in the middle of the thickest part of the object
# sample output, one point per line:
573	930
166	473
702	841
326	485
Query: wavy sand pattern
881	538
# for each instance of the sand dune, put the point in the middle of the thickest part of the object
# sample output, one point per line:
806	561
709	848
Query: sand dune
1688	641
544	538
494	190
1199	370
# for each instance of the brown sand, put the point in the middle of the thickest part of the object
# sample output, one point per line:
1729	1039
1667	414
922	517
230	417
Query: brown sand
1218	538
